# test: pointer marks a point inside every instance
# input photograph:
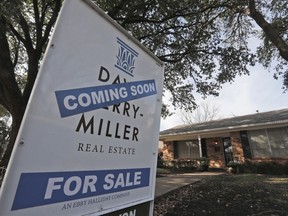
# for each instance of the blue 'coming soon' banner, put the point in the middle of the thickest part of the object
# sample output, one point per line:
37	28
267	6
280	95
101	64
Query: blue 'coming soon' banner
75	101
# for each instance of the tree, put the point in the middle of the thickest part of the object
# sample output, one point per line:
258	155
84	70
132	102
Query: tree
203	113
186	35
4	130
24	26
4	135
3	112
203	42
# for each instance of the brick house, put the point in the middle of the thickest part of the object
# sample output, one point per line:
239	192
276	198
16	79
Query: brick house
255	137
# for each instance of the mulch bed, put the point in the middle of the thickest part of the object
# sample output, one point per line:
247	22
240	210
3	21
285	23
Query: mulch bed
237	195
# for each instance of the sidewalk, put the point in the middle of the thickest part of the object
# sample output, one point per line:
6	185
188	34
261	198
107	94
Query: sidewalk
172	182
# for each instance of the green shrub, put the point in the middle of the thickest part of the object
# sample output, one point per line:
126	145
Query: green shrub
233	166
161	171
203	164
160	163
271	168
185	165
285	168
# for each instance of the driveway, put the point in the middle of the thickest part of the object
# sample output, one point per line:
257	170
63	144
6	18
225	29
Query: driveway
172	182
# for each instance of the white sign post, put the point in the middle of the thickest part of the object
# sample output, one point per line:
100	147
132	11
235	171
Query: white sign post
88	142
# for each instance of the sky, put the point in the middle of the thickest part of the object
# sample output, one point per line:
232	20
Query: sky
258	91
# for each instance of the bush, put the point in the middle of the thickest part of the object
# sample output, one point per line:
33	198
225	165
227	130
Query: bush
203	164
286	168
271	168
162	171
160	161
185	165
233	166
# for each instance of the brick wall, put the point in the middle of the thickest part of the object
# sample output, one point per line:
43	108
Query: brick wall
237	147
215	152
168	151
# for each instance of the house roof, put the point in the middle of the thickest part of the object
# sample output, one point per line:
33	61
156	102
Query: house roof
258	120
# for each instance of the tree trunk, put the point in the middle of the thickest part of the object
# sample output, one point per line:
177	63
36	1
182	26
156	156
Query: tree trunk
18	104
10	94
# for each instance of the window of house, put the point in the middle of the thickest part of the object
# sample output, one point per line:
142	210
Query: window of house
278	138
271	142
188	149
259	143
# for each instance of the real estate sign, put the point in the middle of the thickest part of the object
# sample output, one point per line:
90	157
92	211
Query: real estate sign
88	140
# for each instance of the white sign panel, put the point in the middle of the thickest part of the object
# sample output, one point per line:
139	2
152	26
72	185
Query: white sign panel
88	141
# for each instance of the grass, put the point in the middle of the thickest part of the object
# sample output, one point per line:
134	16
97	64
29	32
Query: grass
228	194
162	171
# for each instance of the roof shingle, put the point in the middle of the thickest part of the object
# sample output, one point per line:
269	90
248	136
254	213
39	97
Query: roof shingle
276	116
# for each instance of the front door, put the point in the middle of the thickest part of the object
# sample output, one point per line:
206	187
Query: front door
227	146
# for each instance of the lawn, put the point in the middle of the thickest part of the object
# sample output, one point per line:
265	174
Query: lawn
228	194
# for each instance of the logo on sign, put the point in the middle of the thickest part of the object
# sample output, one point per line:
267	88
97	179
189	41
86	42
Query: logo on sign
126	58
